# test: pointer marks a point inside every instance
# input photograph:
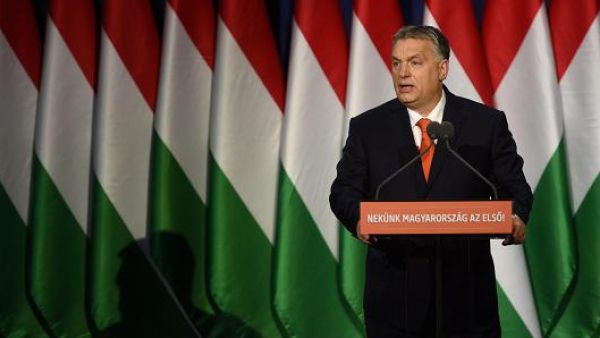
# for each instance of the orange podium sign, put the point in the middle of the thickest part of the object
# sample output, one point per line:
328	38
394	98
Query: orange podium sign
436	218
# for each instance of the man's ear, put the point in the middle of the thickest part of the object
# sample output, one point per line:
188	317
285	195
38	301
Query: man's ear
443	69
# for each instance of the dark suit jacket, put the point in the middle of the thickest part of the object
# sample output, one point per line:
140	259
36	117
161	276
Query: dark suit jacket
400	272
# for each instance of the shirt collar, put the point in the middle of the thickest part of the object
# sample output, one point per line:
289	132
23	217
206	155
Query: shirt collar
436	114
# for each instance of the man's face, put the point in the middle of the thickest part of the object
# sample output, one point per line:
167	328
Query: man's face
418	73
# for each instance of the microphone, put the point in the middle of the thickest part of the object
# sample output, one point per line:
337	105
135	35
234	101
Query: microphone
446	132
433	130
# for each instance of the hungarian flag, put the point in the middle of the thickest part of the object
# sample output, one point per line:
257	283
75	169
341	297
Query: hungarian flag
180	154
128	297
519	53
469	77
369	85
306	262
576	39
61	167
20	63
246	113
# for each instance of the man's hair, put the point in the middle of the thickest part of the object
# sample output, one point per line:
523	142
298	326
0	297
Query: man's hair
425	33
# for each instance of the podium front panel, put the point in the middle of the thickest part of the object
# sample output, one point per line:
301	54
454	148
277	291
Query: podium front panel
436	218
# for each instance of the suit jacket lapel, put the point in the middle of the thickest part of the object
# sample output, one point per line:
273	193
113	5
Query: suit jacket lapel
400	123
454	115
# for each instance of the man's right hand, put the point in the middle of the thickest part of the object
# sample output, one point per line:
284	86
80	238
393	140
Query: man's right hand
367	239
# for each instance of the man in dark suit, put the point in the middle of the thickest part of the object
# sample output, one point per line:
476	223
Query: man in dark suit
424	286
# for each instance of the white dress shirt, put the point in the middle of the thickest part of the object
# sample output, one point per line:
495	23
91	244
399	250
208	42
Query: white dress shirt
436	115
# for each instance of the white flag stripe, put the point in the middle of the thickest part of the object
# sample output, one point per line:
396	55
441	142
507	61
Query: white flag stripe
123	125
369	81
530	98
457	81
245	131
183	106
63	135
579	90
18	101
313	135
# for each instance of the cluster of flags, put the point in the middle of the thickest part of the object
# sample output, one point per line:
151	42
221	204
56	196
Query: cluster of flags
175	186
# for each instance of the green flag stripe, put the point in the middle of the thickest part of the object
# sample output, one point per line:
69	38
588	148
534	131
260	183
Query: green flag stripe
307	297
352	274
127	297
550	246
178	233
239	263
582	314
56	258
16	316
511	323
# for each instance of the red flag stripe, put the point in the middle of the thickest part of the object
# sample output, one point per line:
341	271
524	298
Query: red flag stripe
569	23
17	22
198	19
76	22
505	24
137	44
321	23
249	25
457	20
381	22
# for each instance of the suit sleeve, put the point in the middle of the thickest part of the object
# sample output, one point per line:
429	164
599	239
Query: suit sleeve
351	183
508	170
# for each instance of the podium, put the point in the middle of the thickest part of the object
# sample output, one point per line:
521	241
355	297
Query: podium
490	218
438	219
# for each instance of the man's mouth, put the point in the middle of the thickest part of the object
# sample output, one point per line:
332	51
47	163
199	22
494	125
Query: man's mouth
405	87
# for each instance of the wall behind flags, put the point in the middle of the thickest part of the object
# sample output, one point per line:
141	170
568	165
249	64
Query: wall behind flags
165	165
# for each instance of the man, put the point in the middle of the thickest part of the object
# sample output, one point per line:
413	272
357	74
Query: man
423	286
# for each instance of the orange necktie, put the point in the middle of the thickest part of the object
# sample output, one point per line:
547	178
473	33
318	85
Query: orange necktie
425	142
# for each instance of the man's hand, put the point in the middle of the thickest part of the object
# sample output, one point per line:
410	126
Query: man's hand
518	232
367	239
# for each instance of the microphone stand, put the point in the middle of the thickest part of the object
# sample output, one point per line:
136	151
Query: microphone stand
463	161
402	168
448	130
433	132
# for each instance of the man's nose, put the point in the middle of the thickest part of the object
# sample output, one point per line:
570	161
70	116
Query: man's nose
404	70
